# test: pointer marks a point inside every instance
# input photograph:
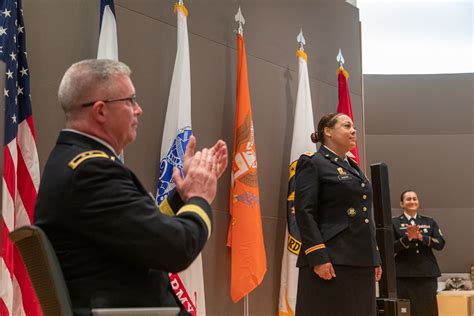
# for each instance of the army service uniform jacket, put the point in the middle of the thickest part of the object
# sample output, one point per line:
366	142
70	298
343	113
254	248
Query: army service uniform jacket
114	245
333	205
415	258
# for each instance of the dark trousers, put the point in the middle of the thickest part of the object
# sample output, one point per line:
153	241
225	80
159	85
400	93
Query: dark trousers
422	294
351	293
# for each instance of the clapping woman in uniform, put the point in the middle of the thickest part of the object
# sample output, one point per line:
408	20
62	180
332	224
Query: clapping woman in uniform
415	238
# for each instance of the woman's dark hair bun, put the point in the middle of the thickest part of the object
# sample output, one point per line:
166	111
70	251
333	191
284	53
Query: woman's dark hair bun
314	137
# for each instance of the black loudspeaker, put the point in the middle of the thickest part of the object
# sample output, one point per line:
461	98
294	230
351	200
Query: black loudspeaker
387	304
388	282
383	224
393	307
380	184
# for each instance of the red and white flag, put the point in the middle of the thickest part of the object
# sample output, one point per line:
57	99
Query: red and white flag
20	178
344	105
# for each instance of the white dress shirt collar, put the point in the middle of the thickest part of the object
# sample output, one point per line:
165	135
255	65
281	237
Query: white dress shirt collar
410	217
345	156
93	137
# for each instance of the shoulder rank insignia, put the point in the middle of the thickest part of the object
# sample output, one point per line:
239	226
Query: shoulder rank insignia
76	161
308	153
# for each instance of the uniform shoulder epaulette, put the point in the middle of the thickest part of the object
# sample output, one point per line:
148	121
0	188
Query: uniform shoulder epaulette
308	154
426	216
76	161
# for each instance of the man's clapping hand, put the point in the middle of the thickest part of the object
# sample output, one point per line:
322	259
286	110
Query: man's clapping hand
201	170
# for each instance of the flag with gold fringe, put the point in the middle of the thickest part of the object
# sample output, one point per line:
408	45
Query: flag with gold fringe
301	142
245	235
344	105
188	285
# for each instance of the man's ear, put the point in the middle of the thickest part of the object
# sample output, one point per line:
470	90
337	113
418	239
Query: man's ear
99	111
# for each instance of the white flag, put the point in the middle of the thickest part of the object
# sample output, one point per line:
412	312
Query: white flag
188	284
303	127
108	47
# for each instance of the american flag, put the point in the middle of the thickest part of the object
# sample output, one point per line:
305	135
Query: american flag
20	167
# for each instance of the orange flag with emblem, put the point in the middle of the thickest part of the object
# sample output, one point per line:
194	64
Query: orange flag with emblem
245	236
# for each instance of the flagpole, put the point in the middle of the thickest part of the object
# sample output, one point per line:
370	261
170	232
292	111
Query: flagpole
246	305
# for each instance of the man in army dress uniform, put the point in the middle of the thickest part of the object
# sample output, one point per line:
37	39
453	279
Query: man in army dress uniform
415	236
114	244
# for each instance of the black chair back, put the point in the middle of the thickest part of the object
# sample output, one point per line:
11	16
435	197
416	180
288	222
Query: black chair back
48	281
44	270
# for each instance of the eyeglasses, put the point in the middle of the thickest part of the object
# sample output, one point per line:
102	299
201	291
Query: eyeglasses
131	100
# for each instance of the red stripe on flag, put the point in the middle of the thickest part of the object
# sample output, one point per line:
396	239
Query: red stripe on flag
3	309
31	124
28	294
26	188
7	247
9	172
17	269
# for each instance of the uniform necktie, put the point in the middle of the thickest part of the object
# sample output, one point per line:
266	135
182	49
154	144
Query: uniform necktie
354	170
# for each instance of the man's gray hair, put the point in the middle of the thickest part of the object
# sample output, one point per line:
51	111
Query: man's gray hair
83	79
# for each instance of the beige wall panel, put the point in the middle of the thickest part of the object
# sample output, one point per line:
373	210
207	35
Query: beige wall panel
441	174
426	104
58	33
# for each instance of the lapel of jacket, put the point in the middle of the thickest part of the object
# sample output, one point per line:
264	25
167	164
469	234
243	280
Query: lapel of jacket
340	162
354	165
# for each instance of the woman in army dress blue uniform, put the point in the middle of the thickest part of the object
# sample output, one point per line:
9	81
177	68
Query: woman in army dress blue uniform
333	204
415	236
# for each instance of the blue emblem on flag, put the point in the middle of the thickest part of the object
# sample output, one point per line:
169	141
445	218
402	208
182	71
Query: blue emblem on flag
174	158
